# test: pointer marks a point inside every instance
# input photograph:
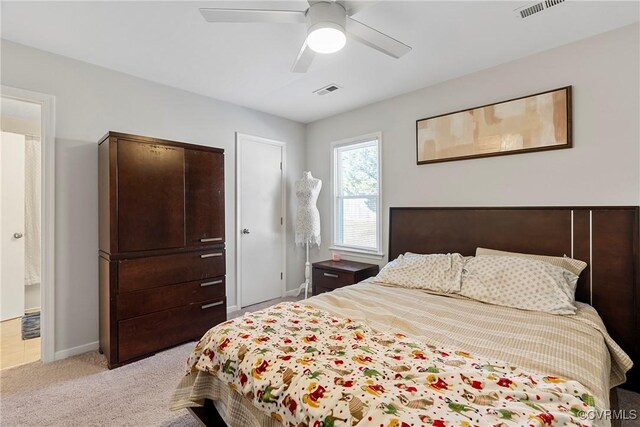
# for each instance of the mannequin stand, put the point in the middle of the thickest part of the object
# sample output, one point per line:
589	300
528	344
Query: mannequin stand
307	273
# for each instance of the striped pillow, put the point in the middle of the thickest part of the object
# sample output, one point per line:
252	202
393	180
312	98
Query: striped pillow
573	265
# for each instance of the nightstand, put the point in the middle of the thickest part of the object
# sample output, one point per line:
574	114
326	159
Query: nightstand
330	275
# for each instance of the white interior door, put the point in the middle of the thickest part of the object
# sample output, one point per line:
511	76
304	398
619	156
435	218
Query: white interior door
12	283
260	227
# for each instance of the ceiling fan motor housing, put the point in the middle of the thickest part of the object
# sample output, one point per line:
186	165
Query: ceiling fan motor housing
326	15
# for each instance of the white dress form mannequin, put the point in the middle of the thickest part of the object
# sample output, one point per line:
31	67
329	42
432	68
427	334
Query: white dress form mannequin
307	219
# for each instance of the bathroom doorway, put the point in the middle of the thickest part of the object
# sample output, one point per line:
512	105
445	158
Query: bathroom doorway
20	232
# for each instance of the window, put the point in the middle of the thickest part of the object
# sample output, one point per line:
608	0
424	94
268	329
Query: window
356	194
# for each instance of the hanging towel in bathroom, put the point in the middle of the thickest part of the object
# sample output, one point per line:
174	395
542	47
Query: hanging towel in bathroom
32	211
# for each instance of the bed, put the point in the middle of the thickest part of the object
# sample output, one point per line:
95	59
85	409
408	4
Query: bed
415	357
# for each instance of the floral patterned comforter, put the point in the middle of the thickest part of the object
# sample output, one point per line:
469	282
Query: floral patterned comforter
305	367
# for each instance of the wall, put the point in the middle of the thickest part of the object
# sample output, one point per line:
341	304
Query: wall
90	101
601	169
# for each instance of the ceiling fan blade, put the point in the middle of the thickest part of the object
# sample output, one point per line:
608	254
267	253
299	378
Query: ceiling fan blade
253	15
304	59
375	39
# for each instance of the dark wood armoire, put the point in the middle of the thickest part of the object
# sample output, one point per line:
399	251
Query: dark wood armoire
161	255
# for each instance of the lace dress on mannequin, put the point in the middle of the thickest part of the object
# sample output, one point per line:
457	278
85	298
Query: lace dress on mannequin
308	217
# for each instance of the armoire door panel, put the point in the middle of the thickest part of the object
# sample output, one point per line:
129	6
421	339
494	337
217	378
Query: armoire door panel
150	196
204	197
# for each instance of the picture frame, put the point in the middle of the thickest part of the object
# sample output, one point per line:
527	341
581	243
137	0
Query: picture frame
531	123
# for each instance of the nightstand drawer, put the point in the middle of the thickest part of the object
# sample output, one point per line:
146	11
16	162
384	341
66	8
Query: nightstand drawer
329	275
331	279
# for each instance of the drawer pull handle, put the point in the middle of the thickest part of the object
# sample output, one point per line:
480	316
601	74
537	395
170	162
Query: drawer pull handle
335	276
211	255
213	304
215	282
212	239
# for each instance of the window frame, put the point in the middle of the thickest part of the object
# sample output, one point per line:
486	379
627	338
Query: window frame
356	250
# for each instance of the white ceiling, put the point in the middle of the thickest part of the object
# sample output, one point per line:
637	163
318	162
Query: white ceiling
248	64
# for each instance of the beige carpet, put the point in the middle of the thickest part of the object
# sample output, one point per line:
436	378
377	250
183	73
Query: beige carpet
80	391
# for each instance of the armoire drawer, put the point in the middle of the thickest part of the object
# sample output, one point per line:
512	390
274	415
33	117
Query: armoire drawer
145	301
142	335
152	272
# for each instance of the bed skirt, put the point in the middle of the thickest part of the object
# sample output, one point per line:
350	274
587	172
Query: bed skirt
234	409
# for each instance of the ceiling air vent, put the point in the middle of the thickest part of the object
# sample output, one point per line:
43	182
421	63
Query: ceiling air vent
549	3
530	10
327	89
537	7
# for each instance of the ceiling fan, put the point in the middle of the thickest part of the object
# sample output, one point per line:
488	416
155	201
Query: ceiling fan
328	25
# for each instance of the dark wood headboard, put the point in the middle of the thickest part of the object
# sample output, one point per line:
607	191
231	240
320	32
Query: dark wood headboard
605	237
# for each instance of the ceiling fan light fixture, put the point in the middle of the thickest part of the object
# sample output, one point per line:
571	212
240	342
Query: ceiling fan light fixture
326	38
326	22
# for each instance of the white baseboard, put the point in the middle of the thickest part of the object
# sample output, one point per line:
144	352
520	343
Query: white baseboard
232	308
63	354
292	293
296	292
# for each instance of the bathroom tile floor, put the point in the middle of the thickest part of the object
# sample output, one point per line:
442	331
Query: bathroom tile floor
14	350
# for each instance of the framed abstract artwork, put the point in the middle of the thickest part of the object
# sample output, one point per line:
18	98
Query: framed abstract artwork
531	123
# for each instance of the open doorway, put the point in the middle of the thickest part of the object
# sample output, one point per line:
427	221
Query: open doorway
20	232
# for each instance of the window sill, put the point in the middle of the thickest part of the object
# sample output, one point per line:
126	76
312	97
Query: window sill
357	253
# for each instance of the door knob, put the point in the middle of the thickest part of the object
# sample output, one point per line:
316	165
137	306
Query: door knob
245	231
17	235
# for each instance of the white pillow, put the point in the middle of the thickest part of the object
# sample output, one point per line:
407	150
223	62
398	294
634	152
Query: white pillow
520	283
435	272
